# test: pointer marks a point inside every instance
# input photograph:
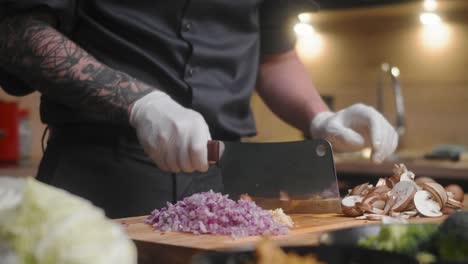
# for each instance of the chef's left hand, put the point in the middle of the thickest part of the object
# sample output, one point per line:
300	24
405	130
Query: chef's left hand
355	128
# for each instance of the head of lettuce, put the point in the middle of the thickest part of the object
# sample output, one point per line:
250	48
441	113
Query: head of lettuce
40	224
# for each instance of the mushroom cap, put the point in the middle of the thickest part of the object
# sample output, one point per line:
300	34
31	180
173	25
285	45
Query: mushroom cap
426	205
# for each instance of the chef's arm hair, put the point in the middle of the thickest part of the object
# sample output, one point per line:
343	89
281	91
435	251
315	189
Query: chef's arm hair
287	89
33	51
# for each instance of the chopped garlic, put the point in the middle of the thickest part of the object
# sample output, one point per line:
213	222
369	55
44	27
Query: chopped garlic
281	218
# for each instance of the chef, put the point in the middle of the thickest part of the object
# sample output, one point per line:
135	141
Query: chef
132	91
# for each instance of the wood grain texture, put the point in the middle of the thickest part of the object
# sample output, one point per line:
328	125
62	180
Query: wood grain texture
308	228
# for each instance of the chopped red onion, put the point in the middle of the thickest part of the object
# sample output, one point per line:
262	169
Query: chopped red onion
214	213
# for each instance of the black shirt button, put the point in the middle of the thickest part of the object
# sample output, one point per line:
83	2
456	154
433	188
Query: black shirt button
190	72
187	26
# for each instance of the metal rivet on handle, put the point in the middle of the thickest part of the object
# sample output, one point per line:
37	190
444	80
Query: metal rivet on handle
321	150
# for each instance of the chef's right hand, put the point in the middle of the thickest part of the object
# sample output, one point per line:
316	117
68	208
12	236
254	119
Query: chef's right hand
174	137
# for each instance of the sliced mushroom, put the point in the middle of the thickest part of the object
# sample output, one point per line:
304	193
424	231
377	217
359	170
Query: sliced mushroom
410	206
437	191
410	213
361	217
404	192
361	189
349	207
375	200
379	204
407	176
457	192
374	217
393	180
426	205
380	190
364	207
454	204
389	205
399	169
394	214
381	182
421	180
377	211
449	210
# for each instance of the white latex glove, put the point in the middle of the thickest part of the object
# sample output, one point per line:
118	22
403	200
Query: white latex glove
355	128
174	137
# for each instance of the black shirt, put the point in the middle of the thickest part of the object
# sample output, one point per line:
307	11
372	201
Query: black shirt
204	53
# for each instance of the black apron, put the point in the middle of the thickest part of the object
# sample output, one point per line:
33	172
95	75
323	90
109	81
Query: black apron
107	166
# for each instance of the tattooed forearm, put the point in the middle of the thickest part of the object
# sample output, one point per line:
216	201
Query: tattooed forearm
45	59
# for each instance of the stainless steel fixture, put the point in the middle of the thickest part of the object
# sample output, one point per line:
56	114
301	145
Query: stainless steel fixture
394	73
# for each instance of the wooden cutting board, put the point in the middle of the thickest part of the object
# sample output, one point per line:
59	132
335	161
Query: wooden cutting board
175	247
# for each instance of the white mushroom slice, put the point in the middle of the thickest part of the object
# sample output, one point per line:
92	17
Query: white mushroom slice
361	217
349	207
380	182
425	204
374	217
395	214
380	190
456	191
364	207
410	213
377	211
376	200
392	181
437	191
410	206
450	194
351	200
454	204
421	180
404	192
399	169
407	176
361	190
390	203
379	204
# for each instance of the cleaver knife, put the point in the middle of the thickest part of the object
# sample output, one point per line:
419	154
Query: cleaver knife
299	176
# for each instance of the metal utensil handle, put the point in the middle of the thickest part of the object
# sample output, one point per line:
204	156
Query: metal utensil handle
215	150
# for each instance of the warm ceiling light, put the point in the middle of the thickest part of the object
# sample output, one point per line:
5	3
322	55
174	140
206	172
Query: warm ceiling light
435	36
304	29
430	19
385	67
395	71
430	5
305	17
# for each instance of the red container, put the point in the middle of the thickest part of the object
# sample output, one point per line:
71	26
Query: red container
9	138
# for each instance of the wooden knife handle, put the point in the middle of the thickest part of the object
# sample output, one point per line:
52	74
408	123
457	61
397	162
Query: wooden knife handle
215	150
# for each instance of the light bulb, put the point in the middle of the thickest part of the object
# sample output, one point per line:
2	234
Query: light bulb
304	29
430	19
430	5
305	17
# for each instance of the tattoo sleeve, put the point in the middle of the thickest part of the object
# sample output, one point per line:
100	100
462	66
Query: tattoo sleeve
42	57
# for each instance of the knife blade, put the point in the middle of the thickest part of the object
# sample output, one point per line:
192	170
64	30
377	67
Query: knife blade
299	176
